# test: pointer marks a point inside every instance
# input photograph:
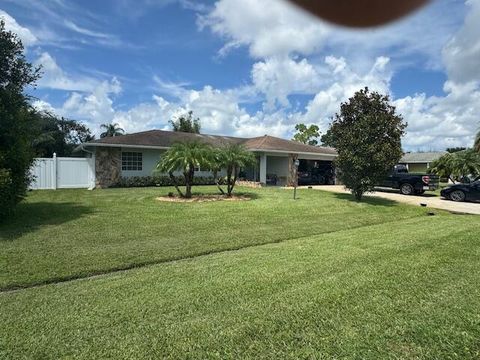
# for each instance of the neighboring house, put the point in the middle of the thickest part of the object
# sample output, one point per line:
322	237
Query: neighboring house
419	162
137	154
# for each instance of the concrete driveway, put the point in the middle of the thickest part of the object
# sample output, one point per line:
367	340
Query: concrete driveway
431	200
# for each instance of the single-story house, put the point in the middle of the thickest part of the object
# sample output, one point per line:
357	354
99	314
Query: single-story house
419	162
137	154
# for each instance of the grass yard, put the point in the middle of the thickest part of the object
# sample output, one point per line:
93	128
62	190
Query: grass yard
66	234
320	277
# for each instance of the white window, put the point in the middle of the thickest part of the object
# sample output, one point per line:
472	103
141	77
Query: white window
132	161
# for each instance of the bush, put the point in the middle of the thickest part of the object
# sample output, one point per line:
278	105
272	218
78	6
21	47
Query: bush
162	180
18	122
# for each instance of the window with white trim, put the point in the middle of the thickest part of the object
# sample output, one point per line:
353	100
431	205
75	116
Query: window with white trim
132	161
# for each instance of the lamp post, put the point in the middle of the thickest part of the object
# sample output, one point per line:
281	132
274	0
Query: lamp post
296	163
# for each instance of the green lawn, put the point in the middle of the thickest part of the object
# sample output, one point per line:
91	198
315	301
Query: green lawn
64	234
338	279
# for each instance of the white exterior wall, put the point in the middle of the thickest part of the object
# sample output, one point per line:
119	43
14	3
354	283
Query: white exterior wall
150	158
278	165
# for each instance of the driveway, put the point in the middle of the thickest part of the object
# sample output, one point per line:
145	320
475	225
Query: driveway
431	200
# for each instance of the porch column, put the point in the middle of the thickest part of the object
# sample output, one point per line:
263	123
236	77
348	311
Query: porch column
263	168
292	179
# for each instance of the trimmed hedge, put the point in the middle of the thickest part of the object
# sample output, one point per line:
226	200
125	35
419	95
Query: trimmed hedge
162	180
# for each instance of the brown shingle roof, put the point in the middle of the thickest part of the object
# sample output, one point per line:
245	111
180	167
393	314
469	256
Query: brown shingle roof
277	144
161	138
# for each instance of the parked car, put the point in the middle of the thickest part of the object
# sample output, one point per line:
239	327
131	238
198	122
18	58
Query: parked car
462	192
309	178
409	184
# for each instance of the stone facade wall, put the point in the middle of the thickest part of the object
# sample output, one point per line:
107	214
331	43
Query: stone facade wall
108	166
292	179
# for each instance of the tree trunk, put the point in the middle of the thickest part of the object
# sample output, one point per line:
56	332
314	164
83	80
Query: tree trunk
216	180
358	194
229	180
234	180
174	181
188	182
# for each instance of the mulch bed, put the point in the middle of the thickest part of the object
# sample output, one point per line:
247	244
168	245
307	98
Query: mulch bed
202	198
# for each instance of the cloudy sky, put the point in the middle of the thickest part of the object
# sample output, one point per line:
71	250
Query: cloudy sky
249	67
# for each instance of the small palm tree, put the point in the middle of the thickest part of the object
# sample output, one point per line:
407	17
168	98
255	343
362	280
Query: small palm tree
112	129
443	167
458	165
185	157
233	158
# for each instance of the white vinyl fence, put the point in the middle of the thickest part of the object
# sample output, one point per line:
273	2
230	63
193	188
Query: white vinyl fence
63	173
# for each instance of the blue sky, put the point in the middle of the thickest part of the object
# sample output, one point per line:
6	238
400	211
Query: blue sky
249	67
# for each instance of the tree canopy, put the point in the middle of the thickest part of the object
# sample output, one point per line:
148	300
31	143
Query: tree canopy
185	157
367	136
233	158
111	130
186	123
457	166
307	134
18	121
455	149
59	135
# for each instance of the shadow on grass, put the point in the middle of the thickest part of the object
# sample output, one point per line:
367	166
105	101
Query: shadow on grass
395	191
30	216
367	200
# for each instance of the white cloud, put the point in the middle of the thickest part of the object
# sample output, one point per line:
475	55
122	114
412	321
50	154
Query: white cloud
344	82
462	53
176	89
84	31
277	28
288	46
440	122
278	78
267	27
27	37
54	77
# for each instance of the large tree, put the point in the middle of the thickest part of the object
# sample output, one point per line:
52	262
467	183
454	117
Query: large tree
186	123
185	157
60	135
367	135
307	134
111	130
18	121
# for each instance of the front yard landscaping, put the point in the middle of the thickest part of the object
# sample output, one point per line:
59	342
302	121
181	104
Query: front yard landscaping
319	277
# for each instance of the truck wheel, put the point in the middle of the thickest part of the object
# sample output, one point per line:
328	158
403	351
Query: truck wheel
407	189
457	195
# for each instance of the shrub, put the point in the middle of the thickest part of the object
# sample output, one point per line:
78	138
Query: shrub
161	180
18	123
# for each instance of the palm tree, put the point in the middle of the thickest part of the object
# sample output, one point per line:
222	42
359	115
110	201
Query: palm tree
233	158
443	167
457	166
477	142
185	157
112	129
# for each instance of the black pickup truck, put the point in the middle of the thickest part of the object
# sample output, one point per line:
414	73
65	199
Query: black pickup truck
410	184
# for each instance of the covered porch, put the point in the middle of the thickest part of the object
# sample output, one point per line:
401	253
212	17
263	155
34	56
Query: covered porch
278	169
